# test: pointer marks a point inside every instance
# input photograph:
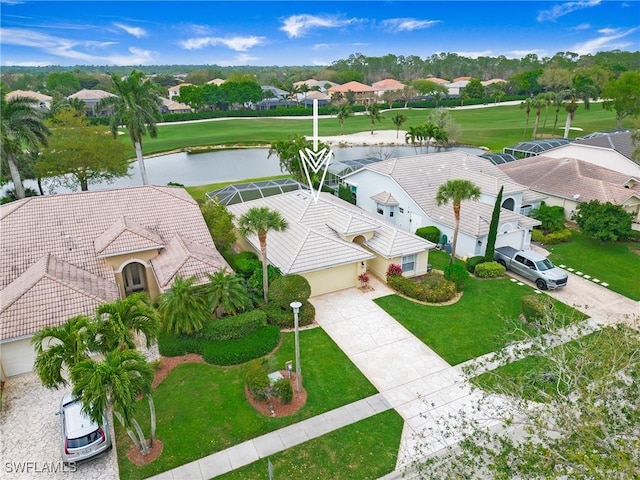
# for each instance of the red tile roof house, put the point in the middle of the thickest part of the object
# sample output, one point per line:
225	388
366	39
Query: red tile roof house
63	255
387	85
364	93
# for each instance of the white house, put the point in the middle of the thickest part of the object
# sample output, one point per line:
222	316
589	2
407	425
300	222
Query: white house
403	191
42	101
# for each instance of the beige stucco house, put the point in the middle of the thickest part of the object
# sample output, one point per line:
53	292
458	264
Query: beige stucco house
364	94
63	255
41	101
330	242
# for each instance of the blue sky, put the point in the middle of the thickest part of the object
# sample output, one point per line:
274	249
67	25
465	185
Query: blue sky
304	32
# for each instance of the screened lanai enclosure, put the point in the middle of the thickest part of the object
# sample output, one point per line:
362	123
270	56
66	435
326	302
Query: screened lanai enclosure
535	147
338	170
243	192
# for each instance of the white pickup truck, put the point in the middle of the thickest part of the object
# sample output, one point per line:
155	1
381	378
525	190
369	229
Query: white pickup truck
533	266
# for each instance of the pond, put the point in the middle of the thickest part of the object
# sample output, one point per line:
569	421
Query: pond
233	165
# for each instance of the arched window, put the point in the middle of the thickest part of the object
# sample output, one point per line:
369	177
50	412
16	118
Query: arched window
509	204
134	277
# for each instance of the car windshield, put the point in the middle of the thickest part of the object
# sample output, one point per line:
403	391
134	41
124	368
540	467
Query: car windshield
544	265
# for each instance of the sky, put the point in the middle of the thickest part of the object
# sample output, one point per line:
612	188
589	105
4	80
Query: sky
263	33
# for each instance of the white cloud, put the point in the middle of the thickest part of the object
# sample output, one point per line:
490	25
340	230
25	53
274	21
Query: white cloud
524	53
564	9
27	63
242	59
609	39
297	26
582	26
239	44
135	31
471	54
407	24
76	50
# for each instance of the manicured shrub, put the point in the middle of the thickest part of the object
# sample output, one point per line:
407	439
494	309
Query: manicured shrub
170	345
437	288
257	381
406	287
473	261
283	390
431	233
254	283
233	327
534	307
240	350
245	263
287	289
283	317
489	270
561	236
457	274
393	270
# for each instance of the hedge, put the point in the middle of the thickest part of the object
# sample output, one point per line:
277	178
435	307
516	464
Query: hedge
287	289
431	233
472	262
434	288
241	350
245	263
457	274
561	236
237	326
489	270
283	317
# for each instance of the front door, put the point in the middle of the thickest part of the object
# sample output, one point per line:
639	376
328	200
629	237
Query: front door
134	276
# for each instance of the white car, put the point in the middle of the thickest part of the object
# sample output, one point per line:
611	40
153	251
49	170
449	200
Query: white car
81	437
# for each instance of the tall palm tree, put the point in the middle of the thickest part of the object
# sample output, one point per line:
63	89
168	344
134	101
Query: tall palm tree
374	115
116	381
429	131
118	322
259	221
398	120
582	88
526	106
414	136
456	191
59	348
21	128
182	309
344	112
537	103
137	107
225	293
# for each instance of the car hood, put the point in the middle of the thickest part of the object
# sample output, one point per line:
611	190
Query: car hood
555	274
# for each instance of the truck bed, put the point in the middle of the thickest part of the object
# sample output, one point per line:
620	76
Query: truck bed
507	251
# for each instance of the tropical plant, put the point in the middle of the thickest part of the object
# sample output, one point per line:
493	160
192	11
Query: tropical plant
623	96
398	120
344	112
60	348
21	127
493	228
183	310
137	107
526	106
414	136
259	221
456	191
582	88
119	321
374	114
288	152
225	293
551	217
605	222
116	381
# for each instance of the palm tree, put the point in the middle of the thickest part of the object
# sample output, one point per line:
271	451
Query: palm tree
67	345
537	103
116	381
582	88
183	310
21	128
526	105
225	293
344	112
136	106
429	131
398	120
414	136
374	115
259	221
456	191
118	321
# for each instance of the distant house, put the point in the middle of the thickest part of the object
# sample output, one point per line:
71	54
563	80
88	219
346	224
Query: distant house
455	87
331	242
91	98
175	90
69	253
567	182
273	97
438	80
403	190
364	94
493	81
387	85
313	84
216	81
41	101
611	150
169	106
307	99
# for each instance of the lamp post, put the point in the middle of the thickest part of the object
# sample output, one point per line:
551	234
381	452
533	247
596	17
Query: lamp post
296	308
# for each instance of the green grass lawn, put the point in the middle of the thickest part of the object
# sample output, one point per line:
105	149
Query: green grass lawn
495	128
202	409
364	450
617	264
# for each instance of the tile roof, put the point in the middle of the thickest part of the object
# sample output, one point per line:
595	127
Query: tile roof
384	198
184	258
72	227
50	290
388	84
620	141
312	241
40	97
85	94
566	177
353	86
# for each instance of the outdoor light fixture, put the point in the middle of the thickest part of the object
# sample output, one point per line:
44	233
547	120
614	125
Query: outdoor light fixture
296	309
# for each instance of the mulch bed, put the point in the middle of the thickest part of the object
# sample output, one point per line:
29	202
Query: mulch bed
139	459
274	407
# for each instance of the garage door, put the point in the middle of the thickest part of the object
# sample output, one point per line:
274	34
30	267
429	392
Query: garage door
16	357
511	239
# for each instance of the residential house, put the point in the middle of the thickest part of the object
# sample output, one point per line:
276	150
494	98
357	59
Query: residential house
611	150
273	97
306	99
387	85
175	90
63	255
91	98
455	88
169	106
216	81
41	101
364	94
330	242
319	85
403	192
567	182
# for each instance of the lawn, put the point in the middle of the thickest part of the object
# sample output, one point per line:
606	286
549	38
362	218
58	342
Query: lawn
481	322
495	128
363	450
617	264
202	409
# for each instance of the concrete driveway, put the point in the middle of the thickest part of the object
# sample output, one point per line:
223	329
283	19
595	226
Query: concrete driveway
30	436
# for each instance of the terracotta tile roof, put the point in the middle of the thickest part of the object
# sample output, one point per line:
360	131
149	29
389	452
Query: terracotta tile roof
437	80
388	84
356	87
184	258
40	97
566	177
126	236
50	290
